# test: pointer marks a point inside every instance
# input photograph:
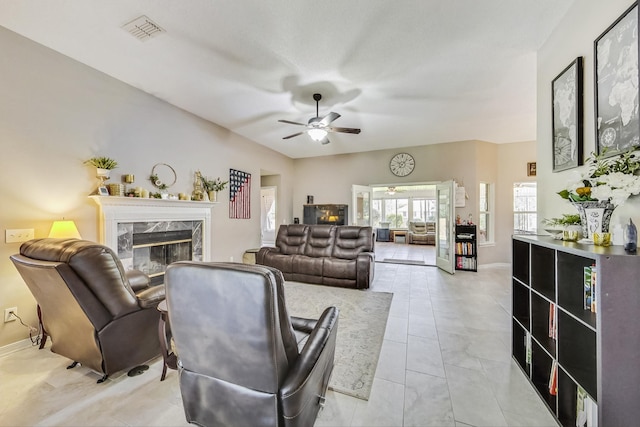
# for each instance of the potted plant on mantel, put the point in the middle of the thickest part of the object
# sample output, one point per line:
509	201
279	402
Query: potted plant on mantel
569	222
103	165
212	186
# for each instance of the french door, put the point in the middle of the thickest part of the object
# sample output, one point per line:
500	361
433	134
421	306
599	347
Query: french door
445	228
361	196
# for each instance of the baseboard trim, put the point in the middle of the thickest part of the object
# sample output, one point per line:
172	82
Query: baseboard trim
16	346
495	264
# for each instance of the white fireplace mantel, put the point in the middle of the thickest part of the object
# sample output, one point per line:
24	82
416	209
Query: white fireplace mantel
115	210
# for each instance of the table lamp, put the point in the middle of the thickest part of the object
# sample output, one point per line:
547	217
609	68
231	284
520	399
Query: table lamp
64	230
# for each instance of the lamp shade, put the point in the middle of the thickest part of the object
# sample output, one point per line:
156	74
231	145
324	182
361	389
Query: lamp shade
317	134
64	230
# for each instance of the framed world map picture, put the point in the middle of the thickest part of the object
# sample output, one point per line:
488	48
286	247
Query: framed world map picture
566	91
616	88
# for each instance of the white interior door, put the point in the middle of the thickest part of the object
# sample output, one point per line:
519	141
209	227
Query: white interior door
361	196
268	215
445	226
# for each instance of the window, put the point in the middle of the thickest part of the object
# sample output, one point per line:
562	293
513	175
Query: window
485	222
423	210
397	212
398	205
525	218
376	212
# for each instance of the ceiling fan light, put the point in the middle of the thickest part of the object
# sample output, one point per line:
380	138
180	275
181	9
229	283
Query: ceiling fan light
317	134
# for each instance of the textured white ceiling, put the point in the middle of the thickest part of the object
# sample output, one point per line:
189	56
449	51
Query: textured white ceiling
407	72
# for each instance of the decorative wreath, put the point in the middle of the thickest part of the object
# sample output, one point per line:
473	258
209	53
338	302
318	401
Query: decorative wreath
157	182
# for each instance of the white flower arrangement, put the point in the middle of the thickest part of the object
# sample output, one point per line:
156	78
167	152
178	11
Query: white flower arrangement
612	179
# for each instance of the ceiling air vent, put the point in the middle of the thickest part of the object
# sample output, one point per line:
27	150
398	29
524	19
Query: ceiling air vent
143	28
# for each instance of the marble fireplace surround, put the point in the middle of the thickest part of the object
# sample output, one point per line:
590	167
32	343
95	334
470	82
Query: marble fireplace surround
119	216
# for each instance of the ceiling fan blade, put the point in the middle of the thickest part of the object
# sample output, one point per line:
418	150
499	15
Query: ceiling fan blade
292	123
295	134
343	130
326	120
324	141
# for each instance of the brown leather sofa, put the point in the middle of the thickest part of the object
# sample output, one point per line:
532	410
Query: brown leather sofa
422	233
242	360
323	254
94	312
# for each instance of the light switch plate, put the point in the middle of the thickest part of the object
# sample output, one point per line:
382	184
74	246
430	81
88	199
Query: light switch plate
18	235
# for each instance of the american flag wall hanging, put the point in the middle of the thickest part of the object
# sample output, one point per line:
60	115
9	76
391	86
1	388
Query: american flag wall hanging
239	194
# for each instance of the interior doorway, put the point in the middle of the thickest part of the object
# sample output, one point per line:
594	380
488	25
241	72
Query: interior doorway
393	208
268	209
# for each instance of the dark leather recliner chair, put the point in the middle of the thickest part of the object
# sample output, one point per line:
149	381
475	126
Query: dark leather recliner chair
94	312
239	351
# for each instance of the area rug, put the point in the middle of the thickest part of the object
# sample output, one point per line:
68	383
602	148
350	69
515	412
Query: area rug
361	326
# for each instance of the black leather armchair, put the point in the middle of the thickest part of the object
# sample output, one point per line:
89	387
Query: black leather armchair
243	361
95	313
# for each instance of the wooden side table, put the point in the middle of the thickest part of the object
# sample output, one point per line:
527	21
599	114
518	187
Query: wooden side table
170	359
399	236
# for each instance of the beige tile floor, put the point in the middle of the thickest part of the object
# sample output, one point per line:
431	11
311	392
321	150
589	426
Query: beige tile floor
445	361
404	251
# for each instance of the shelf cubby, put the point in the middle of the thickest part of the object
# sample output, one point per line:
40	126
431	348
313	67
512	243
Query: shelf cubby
519	345
571	286
520	303
598	352
540	373
567	399
543	272
577	351
521	267
540	323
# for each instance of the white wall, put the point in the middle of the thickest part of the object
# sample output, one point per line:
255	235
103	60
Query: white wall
55	113
574	36
512	161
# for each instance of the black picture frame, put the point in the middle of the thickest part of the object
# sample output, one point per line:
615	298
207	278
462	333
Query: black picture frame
617	122
567	117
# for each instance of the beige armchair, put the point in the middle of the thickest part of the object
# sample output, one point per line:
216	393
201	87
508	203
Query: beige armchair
422	233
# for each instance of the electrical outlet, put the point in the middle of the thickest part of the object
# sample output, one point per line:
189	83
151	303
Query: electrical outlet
18	235
8	314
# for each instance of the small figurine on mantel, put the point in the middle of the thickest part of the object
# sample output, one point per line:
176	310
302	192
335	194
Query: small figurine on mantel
198	191
630	237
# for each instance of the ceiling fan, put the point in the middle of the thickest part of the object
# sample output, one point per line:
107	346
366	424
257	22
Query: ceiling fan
391	190
318	127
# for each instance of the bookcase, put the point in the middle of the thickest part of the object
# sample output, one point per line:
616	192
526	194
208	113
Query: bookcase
466	248
580	361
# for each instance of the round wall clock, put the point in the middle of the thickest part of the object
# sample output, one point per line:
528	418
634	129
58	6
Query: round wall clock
402	164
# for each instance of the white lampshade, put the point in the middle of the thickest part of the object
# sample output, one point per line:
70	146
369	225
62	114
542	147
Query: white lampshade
64	230
317	134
